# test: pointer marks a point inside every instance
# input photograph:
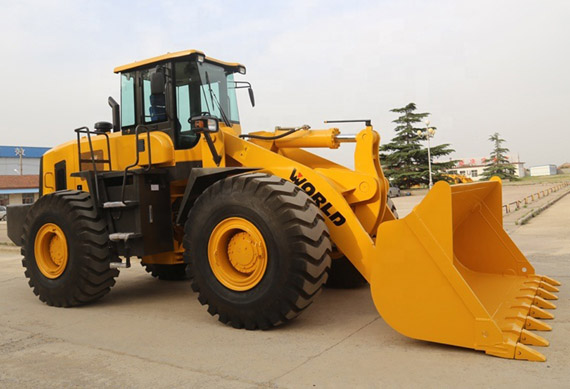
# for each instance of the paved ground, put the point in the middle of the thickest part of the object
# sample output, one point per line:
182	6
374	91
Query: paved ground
3	233
148	333
511	193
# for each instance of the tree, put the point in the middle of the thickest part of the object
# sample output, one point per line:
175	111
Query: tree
499	164
404	159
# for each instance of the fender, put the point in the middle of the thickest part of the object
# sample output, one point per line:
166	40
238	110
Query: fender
198	181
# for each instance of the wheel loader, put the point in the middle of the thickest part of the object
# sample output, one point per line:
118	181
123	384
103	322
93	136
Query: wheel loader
258	223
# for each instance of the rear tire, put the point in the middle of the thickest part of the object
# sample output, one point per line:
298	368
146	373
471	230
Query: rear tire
287	235
66	250
166	272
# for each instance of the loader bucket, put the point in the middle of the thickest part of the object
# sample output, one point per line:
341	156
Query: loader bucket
449	273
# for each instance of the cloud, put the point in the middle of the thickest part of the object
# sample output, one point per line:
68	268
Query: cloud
478	67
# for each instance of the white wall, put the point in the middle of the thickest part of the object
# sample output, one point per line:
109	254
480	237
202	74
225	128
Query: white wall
473	172
544	170
15	198
29	166
476	172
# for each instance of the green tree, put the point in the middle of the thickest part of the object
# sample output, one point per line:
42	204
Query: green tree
499	164
404	159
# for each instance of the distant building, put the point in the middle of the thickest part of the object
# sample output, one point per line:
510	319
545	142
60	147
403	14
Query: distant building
10	160
19	189
473	167
19	174
544	170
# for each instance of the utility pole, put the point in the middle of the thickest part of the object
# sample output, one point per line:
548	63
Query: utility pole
20	153
428	133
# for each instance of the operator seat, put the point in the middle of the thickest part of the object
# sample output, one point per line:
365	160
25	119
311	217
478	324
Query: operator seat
157	107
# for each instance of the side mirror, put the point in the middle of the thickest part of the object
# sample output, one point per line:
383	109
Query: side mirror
157	83
251	97
206	124
245	84
115	109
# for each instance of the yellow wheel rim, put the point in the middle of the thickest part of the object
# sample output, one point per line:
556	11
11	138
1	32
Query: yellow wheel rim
237	254
50	250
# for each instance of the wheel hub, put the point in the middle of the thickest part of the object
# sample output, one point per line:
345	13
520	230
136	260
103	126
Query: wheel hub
56	250
244	252
50	250
237	254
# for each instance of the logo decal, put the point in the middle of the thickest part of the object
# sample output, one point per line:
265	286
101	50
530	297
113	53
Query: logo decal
335	217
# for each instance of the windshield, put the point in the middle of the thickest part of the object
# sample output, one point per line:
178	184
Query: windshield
203	89
216	94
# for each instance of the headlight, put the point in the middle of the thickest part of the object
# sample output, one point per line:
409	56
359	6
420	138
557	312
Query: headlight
212	125
204	124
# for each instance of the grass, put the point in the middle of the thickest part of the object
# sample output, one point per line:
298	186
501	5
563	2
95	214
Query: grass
528	180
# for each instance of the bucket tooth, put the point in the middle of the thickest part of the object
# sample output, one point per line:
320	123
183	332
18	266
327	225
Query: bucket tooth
534	324
546	294
516	317
551	281
533	339
542	303
539	283
533	311
546	286
539	313
482	301
526	353
523	307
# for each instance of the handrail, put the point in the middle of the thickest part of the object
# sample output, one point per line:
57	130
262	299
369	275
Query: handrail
137	128
85	130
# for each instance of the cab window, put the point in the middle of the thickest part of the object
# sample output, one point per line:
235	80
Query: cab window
186	89
127	99
217	92
233	107
154	98
202	88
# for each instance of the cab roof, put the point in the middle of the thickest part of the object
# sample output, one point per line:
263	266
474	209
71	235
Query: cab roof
167	56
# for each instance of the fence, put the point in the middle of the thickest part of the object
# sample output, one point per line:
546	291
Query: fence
516	205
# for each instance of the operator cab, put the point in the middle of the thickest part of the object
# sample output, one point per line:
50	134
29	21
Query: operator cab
164	93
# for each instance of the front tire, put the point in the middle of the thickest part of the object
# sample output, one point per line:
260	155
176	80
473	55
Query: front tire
166	272
258	250
343	274
66	250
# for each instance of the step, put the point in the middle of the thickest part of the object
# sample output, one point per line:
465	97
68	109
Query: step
119	204
124	236
118	265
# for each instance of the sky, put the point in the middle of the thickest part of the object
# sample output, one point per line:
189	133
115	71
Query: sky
478	67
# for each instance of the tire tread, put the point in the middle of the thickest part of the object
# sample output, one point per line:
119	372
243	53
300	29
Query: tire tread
309	241
95	277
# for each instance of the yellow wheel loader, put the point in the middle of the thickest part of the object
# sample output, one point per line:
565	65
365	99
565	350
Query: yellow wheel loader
458	178
254	220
